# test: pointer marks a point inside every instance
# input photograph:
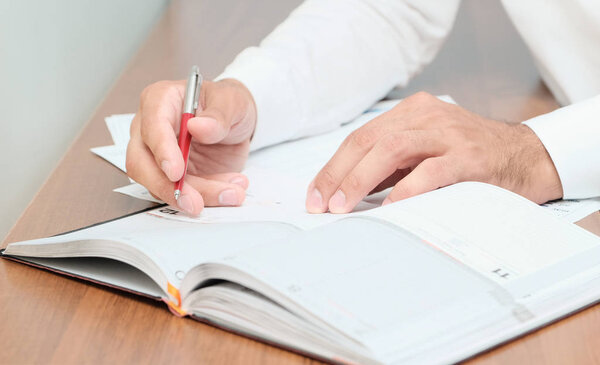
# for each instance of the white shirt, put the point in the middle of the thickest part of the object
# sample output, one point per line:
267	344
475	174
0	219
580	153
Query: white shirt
331	59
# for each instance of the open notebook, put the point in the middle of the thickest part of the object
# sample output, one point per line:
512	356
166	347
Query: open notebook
435	278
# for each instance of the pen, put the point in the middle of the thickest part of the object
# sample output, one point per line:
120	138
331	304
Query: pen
190	105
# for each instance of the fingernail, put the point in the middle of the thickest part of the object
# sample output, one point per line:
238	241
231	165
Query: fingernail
337	202
240	181
185	203
166	167
386	201
314	201
228	197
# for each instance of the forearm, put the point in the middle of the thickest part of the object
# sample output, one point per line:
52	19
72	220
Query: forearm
331	59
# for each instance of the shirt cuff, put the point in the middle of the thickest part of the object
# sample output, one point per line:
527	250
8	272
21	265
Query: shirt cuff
275	102
571	135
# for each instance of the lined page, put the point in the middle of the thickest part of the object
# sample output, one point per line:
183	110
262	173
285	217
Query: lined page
496	232
403	295
165	249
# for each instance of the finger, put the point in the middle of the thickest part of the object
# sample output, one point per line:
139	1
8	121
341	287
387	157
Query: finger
392	152
390	180
223	105
160	117
143	169
431	174
350	152
231	177
217	193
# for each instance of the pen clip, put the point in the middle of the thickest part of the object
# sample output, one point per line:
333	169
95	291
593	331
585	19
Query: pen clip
192	91
197	91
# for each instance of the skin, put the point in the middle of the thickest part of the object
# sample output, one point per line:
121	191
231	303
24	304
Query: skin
420	145
220	132
423	144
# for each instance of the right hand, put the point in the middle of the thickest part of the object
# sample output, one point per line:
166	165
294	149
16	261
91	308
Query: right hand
221	132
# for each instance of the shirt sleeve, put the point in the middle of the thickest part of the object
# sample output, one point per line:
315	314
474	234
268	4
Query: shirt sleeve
331	59
571	136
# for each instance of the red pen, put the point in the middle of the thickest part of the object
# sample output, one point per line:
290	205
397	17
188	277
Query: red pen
190	105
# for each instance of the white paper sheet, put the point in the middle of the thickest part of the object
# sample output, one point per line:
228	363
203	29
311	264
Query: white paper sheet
293	165
115	154
137	191
118	125
573	210
454	221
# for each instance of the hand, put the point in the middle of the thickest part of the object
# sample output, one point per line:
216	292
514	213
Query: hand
220	132
424	144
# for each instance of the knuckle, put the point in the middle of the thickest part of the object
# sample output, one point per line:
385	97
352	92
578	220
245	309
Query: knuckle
434	168
474	150
153	86
326	179
435	116
145	91
363	138
160	87
420	97
352	183
346	142
441	172
394	143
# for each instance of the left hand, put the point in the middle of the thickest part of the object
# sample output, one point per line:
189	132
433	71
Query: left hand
423	144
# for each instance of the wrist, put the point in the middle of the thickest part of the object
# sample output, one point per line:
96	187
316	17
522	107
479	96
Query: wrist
542	182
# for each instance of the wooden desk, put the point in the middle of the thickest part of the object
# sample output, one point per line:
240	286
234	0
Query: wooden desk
49	318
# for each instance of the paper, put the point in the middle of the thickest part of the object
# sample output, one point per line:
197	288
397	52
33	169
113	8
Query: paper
277	187
118	125
289	167
454	221
573	210
264	203
399	296
278	179
115	154
137	191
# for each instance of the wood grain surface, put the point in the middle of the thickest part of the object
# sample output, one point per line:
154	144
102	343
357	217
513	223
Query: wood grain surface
47	318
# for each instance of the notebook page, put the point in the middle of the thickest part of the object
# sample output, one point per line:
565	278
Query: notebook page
173	247
110	272
573	210
376	284
510	238
404	296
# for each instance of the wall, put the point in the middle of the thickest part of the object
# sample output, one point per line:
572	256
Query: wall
58	59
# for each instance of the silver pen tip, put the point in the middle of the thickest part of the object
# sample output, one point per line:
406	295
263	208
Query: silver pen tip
177	194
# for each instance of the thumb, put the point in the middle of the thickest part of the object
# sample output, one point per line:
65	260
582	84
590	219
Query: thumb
222	106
